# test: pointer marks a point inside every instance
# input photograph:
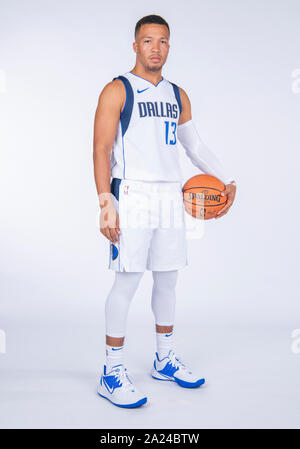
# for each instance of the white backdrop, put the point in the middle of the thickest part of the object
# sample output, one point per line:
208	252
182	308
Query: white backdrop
238	63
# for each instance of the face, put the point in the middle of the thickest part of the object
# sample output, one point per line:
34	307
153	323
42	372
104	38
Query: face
152	46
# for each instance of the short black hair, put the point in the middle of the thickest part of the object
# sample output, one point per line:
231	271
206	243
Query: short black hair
152	18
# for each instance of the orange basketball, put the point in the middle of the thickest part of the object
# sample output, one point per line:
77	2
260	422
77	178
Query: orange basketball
202	196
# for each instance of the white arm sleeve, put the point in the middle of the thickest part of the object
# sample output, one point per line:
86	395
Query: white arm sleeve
200	155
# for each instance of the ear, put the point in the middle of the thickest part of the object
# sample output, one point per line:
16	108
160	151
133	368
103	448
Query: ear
134	46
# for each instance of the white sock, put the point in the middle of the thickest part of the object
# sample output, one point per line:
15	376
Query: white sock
114	356
164	342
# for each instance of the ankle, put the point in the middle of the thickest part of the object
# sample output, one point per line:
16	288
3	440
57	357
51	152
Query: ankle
164	343
114	356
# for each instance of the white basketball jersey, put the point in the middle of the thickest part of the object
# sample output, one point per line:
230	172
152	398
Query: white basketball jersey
145	147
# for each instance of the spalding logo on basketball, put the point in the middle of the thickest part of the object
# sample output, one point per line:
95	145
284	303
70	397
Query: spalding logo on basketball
202	196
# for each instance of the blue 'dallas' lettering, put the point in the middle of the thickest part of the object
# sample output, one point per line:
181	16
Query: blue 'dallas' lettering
150	109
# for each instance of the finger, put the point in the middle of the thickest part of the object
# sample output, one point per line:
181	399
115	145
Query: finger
228	201
231	193
107	234
102	230
229	190
221	215
222	211
224	192
229	198
118	225
228	204
113	235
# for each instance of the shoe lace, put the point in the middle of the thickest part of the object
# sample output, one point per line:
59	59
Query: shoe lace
122	376
176	361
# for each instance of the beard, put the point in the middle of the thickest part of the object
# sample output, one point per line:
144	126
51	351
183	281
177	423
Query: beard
154	68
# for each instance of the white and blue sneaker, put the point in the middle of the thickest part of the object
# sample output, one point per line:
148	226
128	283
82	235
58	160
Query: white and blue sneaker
118	388
172	369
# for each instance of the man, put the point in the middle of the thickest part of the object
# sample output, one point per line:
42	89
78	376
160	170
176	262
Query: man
139	117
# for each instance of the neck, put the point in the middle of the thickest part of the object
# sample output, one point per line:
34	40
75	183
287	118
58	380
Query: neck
153	77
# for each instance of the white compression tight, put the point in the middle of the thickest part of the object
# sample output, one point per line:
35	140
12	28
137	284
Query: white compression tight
163	297
123	290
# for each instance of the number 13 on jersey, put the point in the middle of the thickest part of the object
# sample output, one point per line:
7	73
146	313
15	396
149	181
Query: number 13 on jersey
170	133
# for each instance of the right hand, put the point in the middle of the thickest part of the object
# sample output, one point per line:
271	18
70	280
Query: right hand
109	222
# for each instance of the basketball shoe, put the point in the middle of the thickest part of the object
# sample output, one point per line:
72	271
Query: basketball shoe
171	368
118	388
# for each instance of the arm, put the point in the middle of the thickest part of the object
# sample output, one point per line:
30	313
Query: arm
110	104
200	155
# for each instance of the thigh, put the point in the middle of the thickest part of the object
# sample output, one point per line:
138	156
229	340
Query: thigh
168	250
131	252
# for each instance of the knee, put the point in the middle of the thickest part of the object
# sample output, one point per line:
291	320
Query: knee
124	286
165	279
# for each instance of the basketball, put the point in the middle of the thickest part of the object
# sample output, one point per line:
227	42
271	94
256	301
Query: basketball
202	196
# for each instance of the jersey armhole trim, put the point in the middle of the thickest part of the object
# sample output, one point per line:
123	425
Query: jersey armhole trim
177	96
119	78
126	112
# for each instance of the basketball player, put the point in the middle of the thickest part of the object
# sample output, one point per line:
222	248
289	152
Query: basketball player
139	118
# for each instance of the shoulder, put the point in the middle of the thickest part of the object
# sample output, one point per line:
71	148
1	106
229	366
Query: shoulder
113	88
182	93
184	96
186	113
113	93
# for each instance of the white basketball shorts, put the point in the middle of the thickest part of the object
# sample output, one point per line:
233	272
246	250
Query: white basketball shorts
152	226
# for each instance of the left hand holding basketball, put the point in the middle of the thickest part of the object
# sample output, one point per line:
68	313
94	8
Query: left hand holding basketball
230	190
